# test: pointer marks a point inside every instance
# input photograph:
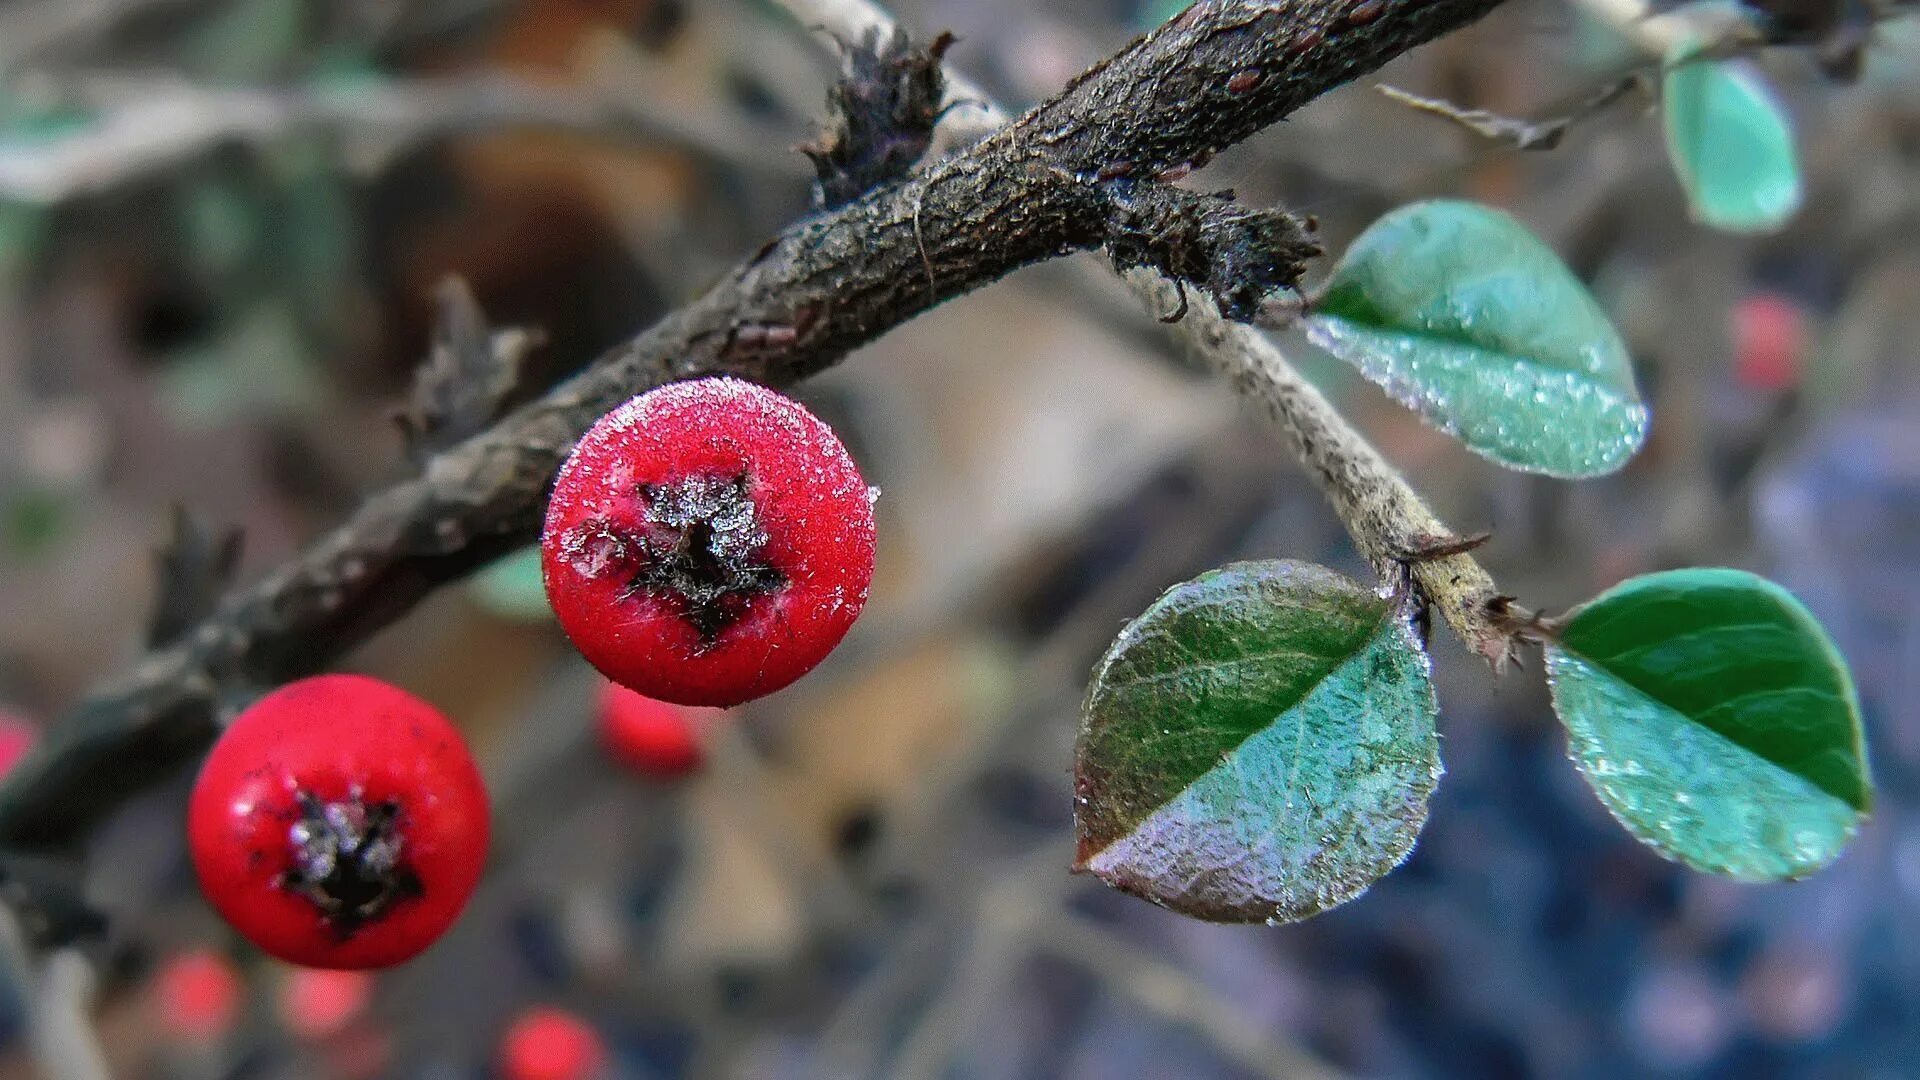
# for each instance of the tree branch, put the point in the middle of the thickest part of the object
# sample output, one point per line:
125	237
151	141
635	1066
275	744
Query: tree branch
1386	517
1043	186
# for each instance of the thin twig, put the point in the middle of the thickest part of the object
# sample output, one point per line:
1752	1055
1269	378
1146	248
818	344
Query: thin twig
1520	134
1176	996
149	125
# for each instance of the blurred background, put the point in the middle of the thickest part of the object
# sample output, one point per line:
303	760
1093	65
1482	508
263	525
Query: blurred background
221	226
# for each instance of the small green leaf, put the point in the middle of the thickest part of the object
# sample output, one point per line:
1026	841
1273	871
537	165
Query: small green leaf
1465	317
1716	721
1155	12
512	588
1730	143
1257	745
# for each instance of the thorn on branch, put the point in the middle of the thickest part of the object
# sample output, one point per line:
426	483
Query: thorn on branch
194	566
884	109
1235	254
1520	134
470	372
1427	548
1518	625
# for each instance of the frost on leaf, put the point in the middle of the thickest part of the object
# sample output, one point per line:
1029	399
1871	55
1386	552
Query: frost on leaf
1259	745
1716	721
1464	316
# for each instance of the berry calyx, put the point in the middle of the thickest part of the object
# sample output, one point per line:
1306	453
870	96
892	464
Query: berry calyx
339	822
551	1044
653	738
708	542
347	859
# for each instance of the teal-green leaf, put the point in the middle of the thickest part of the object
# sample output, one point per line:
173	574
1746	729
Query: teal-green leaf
1730	143
1258	745
512	588
1465	317
1155	12
1716	721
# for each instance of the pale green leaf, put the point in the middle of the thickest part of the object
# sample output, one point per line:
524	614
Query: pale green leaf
1464	316
1715	720
1731	144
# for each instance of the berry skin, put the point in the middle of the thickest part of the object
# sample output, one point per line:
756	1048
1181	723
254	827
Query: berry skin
551	1044
708	543
339	823
653	738
199	994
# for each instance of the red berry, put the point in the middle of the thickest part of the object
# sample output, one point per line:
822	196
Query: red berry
551	1044
1769	341
339	823
654	738
316	1003
708	542
199	994
16	738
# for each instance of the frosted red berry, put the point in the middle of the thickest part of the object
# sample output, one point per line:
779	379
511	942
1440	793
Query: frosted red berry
708	542
551	1044
651	737
339	822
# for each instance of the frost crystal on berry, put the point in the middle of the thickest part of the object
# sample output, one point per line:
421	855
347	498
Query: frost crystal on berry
346	860
704	550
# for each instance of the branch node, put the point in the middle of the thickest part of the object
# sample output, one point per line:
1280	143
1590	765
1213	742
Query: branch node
195	564
470	372
1234	254
884	109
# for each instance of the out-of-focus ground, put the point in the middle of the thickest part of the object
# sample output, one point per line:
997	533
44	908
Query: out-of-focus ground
869	878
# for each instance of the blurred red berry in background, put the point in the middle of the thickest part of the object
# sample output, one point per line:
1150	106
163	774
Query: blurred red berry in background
1770	337
315	1003
653	738
16	738
199	993
546	1043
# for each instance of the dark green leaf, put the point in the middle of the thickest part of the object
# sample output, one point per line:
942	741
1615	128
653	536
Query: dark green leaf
1716	720
1258	745
1731	145
1464	316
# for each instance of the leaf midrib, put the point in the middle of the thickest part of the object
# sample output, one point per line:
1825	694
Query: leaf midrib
1688	718
1516	359
1293	766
